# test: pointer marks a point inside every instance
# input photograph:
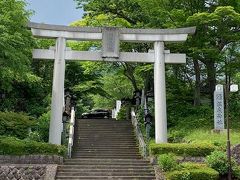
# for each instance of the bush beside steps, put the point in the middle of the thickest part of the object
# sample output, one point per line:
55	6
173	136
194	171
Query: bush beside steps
192	171
14	146
174	170
182	149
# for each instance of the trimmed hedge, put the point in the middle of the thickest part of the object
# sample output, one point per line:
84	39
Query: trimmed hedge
15	124
182	149
192	171
14	146
194	174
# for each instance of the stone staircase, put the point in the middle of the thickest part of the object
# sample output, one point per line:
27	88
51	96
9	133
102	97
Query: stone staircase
105	149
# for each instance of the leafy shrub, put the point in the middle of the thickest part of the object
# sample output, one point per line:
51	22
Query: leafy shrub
236	170
43	126
122	114
186	116
14	146
193	174
218	161
182	149
193	171
167	162
34	136
15	124
177	136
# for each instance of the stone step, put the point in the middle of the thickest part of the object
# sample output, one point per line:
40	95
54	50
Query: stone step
107	160
107	173
106	141
114	156
107	145
112	153
106	156
106	163
76	148
107	177
109	148
107	151
103	139
103	167
104	128
101	120
105	133
103	125
113	136
96	146
115	140
92	146
106	136
106	169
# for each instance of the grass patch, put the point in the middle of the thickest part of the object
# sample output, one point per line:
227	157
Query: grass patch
206	136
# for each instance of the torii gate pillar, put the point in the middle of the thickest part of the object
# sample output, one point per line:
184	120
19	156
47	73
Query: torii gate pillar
160	93
55	129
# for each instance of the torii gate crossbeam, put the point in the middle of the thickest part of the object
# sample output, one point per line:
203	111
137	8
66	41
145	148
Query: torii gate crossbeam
111	38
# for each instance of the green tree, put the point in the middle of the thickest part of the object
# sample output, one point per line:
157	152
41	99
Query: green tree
215	31
16	44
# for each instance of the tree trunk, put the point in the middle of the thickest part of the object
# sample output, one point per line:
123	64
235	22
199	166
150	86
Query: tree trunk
129	73
197	93
211	78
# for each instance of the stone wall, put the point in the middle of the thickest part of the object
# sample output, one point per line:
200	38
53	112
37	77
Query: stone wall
153	159
31	159
31	167
236	153
191	159
22	172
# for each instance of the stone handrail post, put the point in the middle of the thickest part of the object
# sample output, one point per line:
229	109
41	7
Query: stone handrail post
139	135
71	132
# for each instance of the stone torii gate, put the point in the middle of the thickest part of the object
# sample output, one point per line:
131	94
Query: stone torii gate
111	38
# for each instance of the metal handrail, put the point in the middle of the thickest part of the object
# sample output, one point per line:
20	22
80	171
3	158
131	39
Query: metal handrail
71	132
139	135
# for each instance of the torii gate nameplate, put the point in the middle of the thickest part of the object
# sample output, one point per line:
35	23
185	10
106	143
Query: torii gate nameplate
110	42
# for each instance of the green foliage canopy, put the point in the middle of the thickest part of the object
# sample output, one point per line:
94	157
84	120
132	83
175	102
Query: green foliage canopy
15	124
16	43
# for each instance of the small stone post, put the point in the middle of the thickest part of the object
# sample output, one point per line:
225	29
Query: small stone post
219	108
